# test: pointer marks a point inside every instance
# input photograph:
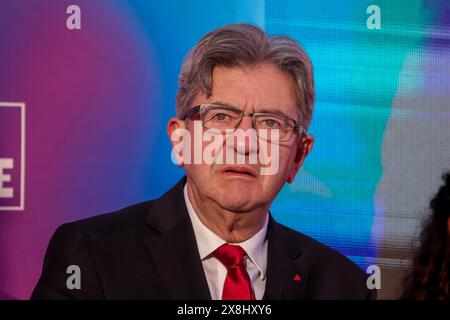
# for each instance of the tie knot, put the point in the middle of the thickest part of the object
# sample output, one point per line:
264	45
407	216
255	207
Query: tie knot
230	255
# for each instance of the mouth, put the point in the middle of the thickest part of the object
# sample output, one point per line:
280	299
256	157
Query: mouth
239	171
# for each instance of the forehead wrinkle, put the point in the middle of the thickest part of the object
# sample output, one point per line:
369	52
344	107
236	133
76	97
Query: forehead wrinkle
227	83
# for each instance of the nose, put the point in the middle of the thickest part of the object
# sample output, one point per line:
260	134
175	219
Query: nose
246	138
246	123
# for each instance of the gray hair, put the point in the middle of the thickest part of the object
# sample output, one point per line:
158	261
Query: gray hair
239	45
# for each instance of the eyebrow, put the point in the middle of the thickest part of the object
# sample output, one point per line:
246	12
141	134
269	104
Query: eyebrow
277	112
224	104
271	111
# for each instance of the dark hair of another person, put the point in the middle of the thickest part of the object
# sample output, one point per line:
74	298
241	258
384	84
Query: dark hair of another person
429	277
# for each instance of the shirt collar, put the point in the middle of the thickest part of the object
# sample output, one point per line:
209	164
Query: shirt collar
208	241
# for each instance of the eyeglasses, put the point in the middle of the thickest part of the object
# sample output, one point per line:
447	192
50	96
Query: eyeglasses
226	119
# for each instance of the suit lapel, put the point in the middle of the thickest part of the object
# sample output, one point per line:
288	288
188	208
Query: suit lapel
170	240
287	277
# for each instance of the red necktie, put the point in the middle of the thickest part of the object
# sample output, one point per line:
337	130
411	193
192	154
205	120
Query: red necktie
237	282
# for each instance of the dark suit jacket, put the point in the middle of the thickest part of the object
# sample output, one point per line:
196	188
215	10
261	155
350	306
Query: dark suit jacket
148	251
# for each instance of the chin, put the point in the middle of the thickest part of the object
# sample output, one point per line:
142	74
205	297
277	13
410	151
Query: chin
238	201
238	207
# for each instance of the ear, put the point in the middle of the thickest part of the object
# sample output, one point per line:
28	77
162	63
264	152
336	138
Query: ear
304	146
172	126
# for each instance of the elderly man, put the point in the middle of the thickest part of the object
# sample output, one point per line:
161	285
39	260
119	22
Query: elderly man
212	235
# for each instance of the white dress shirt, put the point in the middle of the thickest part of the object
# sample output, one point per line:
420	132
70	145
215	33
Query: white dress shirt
215	271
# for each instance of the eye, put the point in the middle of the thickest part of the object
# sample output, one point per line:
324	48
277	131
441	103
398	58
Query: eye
271	123
220	117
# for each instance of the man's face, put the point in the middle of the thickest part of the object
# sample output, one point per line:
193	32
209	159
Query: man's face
260	88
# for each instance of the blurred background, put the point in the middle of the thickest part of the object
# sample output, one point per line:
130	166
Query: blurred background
83	115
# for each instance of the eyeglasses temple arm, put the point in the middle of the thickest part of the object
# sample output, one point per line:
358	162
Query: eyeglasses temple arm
189	113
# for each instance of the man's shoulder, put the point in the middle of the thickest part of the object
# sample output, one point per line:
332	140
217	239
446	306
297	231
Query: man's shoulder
99	246
128	220
321	257
331	275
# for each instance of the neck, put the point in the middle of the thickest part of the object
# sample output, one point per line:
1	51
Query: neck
230	226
